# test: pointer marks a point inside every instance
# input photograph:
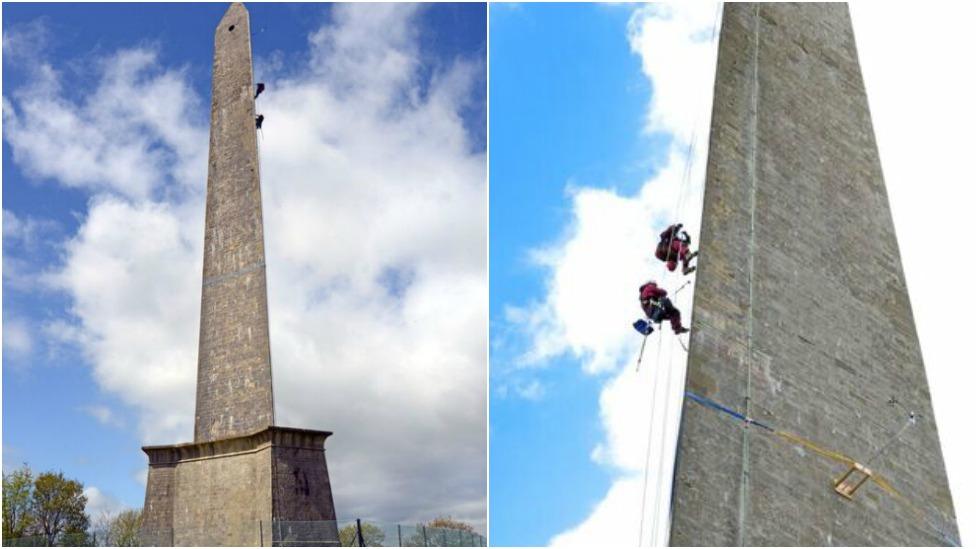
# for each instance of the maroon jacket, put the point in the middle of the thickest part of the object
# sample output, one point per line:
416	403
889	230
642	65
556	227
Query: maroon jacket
671	233
652	291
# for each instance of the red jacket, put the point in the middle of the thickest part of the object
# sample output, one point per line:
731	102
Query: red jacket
652	291
671	233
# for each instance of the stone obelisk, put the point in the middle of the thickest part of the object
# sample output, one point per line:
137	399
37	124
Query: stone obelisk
801	313
234	395
243	480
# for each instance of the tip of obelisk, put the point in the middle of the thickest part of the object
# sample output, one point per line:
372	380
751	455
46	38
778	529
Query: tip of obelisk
236	9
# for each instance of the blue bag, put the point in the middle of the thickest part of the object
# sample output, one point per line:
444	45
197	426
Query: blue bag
643	327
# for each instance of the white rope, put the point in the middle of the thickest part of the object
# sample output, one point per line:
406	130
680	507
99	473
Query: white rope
650	433
685	194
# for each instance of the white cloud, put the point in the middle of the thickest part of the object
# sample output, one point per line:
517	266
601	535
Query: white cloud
27	231
687	30
17	339
27	236
592	276
24	42
620	508
532	390
103	414
375	232
101	504
130	134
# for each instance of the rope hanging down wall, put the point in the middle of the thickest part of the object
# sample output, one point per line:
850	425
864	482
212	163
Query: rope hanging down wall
686	192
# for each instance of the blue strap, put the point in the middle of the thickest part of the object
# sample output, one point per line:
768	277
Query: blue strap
716	406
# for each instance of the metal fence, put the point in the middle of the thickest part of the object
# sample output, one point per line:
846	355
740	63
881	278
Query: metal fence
370	533
64	540
282	533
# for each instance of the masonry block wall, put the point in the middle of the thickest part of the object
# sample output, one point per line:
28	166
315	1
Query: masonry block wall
157	517
224	500
302	491
801	312
302	488
269	486
234	393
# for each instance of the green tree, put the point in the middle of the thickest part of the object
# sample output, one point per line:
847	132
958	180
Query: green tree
100	526
450	524
17	517
17	488
123	531
58	507
443	532
373	535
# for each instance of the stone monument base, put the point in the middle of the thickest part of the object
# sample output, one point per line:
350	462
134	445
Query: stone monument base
270	487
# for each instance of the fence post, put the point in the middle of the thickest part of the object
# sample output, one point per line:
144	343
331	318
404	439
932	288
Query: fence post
261	531
359	533
424	530
399	537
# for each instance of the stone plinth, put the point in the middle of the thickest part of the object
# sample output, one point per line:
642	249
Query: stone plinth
237	491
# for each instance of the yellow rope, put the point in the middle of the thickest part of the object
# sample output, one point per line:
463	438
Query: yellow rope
797	440
829	454
878	479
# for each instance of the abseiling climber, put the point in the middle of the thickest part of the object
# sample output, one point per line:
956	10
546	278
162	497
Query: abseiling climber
675	245
658	308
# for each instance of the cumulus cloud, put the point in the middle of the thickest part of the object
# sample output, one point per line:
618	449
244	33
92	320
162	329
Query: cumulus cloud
25	239
129	135
24	42
17	338
27	231
592	275
688	32
375	228
100	504
103	414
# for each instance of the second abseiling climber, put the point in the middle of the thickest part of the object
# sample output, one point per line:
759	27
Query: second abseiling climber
674	246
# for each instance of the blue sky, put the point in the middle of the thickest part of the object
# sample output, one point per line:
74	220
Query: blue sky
568	100
66	367
590	122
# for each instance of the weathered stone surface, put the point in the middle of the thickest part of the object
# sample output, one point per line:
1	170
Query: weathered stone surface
233	491
234	393
801	305
242	479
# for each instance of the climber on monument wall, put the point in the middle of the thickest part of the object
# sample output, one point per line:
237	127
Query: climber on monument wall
675	245
658	308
